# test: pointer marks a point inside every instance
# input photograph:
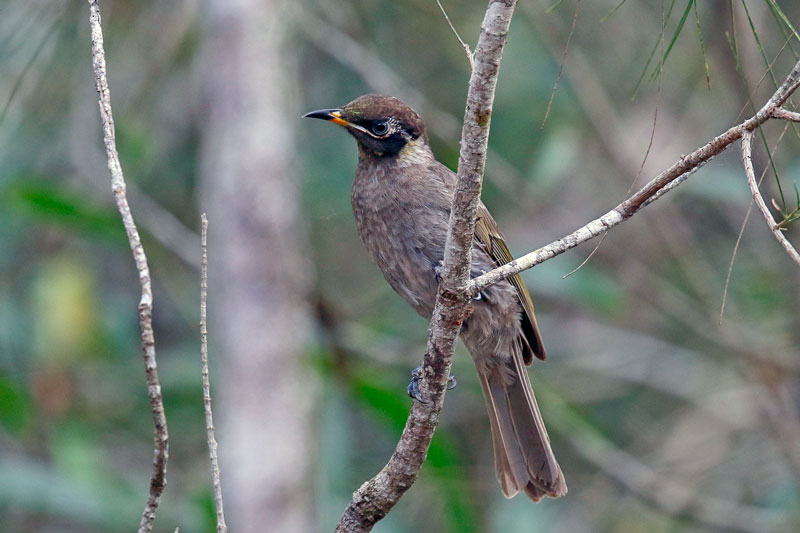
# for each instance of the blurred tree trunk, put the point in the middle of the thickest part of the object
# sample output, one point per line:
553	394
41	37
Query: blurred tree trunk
259	276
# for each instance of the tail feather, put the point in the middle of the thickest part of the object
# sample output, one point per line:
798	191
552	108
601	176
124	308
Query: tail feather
523	457
508	483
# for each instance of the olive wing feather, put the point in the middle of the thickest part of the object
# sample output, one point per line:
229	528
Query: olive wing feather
488	233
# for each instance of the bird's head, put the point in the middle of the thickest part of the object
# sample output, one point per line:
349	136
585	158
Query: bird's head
382	125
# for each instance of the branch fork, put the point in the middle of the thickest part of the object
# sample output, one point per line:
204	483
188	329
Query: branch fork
775	228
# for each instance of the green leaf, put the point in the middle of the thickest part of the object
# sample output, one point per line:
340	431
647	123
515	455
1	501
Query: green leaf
444	460
702	46
672	42
652	52
388	403
15	406
778	12
553	7
613	10
53	204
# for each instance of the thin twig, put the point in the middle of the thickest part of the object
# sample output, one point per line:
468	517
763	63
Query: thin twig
561	65
659	95
377	496
733	259
159	477
764	76
212	441
49	34
655	189
741	230
594	250
747	160
633	182
646	152
785	114
464	45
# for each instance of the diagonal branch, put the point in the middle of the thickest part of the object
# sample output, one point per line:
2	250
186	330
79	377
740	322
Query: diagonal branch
655	189
159	477
747	161
376	497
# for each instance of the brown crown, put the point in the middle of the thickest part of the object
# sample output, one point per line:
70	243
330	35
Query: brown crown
372	107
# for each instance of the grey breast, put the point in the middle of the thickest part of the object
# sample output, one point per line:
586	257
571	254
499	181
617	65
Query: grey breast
403	228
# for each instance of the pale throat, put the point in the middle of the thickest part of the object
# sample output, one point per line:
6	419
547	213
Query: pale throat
415	151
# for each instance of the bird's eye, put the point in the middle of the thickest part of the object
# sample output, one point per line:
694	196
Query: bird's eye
380	128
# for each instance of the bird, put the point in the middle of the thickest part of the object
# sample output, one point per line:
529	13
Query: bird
401	198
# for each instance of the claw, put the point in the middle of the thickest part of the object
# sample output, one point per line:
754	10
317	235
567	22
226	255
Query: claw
413	387
437	271
451	382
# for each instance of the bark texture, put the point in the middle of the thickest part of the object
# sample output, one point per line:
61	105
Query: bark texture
259	276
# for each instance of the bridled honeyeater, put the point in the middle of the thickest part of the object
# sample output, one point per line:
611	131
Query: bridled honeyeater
401	200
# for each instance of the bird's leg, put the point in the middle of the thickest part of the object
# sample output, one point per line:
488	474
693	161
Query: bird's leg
413	387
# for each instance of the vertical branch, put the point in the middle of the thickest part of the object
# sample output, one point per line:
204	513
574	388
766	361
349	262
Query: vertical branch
376	497
474	143
159	477
212	441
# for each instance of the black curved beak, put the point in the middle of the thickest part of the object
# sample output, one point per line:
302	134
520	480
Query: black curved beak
332	115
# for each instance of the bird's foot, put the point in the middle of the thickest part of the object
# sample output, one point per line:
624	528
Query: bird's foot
413	387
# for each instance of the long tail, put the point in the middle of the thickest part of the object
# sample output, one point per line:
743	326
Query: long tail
523	458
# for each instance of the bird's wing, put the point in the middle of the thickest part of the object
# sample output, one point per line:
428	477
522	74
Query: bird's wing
488	234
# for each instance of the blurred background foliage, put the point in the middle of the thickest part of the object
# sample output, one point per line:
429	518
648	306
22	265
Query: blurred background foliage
663	417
